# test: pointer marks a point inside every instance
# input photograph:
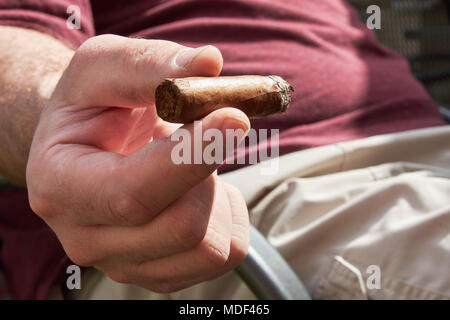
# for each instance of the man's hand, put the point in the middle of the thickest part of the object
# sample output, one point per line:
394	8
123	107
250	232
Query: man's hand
100	170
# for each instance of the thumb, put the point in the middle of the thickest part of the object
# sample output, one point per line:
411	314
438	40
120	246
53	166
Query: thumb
110	70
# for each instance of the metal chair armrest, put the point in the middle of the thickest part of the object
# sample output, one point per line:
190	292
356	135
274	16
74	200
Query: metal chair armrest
268	274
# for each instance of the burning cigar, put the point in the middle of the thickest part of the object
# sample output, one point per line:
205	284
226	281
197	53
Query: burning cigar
184	100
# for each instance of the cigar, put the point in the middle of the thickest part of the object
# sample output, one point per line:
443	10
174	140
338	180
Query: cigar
184	100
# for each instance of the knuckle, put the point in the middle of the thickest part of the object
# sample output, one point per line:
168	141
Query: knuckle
82	257
94	43
93	48
165	287
119	277
215	254
135	59
121	205
41	199
40	206
191	229
85	52
152	53
152	281
191	225
125	209
83	248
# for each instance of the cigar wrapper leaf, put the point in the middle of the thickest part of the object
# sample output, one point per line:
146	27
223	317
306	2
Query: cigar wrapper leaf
184	100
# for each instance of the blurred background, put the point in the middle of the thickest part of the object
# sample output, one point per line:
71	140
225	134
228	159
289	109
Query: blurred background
420	31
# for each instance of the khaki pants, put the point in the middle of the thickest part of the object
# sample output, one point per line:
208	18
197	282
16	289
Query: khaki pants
355	220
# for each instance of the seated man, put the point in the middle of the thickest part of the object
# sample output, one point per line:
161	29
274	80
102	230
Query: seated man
79	130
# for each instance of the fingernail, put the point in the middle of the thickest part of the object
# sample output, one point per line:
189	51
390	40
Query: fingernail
184	58
240	128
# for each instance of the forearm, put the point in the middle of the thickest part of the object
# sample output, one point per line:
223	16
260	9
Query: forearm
31	64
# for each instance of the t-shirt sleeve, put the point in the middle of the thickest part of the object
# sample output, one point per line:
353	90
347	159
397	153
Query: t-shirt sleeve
49	16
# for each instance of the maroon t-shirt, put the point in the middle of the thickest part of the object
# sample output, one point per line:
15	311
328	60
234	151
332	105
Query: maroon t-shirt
347	86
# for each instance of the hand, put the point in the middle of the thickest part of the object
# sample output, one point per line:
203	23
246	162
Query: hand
100	170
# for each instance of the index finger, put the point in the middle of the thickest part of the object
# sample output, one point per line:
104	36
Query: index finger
147	181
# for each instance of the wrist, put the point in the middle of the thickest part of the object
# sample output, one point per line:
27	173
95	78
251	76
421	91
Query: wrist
30	66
